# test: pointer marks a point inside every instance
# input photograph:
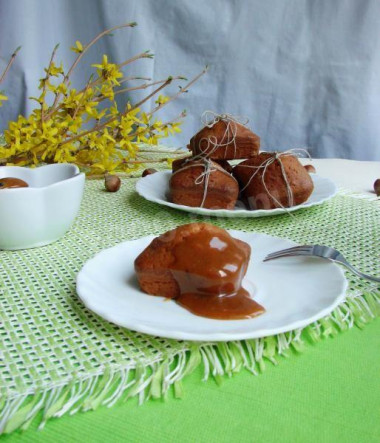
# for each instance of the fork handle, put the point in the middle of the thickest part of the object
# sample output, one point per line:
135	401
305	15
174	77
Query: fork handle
344	262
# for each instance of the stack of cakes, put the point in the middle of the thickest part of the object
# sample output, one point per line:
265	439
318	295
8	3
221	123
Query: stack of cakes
263	180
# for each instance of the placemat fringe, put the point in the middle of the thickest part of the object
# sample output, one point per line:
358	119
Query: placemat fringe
155	381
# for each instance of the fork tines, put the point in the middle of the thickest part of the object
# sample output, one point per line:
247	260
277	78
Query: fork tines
296	250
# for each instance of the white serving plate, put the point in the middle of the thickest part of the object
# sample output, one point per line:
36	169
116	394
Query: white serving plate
155	188
43	212
294	291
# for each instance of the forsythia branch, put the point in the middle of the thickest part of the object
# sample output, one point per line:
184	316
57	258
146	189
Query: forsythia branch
79	128
10	63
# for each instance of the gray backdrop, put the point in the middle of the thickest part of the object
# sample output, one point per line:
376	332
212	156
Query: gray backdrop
305	72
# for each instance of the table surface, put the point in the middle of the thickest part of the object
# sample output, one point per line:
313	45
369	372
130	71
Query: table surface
357	176
329	392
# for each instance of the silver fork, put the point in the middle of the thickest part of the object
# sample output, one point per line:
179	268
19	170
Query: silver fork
319	251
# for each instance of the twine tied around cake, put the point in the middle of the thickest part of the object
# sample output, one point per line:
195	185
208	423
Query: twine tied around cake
203	177
210	166
276	156
209	119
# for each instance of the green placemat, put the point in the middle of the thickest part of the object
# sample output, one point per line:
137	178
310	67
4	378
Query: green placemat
58	357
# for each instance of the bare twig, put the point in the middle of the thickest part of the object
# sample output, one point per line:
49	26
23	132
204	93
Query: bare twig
136	88
141	102
10	63
181	91
127	79
145	54
46	80
175	119
101	176
176	152
124	174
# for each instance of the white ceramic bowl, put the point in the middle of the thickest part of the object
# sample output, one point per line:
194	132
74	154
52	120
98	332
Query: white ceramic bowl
43	212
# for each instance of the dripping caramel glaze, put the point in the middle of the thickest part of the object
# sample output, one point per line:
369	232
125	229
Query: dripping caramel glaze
11	182
209	269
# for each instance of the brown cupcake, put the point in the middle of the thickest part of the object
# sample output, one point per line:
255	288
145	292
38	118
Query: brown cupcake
193	186
269	190
225	140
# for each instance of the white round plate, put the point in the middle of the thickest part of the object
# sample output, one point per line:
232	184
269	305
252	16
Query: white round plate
155	188
294	291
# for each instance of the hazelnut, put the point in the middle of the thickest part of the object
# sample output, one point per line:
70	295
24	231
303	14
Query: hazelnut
310	168
148	172
376	187
112	183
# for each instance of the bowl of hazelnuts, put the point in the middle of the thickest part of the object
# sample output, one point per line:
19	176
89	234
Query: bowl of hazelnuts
38	206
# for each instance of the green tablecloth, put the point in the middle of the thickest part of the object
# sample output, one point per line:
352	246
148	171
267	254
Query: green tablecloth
329	393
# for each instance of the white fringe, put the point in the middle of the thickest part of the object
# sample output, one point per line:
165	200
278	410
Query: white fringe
218	359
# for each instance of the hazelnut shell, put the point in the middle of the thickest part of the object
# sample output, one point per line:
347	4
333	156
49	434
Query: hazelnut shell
310	168
112	183
376	187
148	171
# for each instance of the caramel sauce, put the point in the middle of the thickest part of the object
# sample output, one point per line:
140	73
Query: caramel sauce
11	182
209	269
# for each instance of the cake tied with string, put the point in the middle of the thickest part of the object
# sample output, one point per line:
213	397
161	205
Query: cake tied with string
274	180
203	183
265	180
224	136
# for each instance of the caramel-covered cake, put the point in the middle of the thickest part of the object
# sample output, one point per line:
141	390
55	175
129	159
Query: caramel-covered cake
12	183
226	139
272	180
203	183
202	267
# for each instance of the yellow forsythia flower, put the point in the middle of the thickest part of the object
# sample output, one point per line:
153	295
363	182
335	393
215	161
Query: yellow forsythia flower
83	126
54	70
3	98
162	99
108	71
78	47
